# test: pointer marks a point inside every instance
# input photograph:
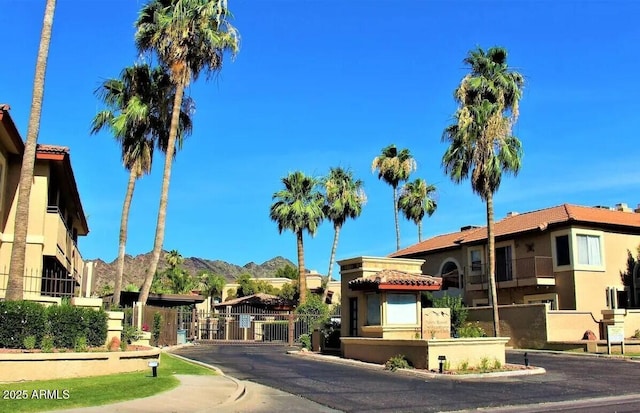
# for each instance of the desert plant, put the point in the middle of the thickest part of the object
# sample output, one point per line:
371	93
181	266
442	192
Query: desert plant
130	334
305	340
497	364
124	345
29	342
157	325
464	366
471	330
397	362
457	311
47	344
114	344
484	364
80	344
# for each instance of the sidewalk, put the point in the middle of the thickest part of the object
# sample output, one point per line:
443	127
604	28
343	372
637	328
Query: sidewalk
194	394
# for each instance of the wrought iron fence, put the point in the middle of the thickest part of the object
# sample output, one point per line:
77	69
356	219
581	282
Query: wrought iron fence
47	282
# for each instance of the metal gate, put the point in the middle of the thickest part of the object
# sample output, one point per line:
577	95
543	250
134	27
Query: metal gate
248	324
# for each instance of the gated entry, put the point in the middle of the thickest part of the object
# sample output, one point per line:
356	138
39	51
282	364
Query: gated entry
256	326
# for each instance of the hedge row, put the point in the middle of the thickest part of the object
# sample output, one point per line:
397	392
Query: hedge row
64	323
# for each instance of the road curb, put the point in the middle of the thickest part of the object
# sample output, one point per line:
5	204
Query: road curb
237	395
335	359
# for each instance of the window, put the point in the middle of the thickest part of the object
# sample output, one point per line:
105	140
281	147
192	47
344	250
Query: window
401	309
450	276
504	270
353	316
373	309
589	249
562	250
476	260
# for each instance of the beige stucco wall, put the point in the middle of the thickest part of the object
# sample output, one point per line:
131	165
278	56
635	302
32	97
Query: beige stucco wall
313	281
571	325
525	325
46	366
423	354
46	233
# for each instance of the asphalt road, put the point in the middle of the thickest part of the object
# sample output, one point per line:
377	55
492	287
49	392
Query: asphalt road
571	384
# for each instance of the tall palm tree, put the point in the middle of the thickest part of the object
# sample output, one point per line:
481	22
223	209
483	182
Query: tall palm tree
416	199
189	37
15	283
139	104
394	167
481	143
298	207
344	199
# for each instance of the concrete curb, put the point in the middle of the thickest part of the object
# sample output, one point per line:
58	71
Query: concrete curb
237	395
634	359
335	359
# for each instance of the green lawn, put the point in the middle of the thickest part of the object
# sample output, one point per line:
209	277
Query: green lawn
45	395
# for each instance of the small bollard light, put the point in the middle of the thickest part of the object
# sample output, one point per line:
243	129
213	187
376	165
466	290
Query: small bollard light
441	360
526	359
154	367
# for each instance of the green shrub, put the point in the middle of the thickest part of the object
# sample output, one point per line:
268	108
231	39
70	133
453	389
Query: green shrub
397	362
636	334
157	325
331	334
29	342
80	344
96	327
20	319
464	366
305	340
471	330
123	345
130	334
47	344
484	364
314	310
457	311
66	322
497	365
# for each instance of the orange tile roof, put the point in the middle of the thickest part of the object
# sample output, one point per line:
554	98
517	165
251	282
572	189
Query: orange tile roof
52	149
396	280
529	221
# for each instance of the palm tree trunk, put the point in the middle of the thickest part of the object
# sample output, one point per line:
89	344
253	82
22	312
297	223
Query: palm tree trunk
124	220
395	216
492	266
420	231
336	235
302	275
15	283
164	196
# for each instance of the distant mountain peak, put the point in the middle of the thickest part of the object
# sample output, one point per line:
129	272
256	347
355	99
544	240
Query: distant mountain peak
135	268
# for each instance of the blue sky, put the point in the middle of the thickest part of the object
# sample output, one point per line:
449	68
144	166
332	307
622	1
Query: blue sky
321	83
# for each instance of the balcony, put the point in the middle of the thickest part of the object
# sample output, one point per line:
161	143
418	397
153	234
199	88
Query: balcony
59	242
521	272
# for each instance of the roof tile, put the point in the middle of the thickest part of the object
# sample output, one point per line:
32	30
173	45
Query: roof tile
534	220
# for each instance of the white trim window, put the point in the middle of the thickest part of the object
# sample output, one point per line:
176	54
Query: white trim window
402	309
589	251
373	309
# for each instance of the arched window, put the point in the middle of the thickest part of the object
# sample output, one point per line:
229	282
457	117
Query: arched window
450	276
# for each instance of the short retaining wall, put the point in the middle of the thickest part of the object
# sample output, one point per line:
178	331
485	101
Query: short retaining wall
45	366
423	354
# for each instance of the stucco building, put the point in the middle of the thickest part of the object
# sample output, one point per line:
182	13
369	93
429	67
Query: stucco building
54	267
568	256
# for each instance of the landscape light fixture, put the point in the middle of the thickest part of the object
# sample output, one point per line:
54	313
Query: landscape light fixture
441	360
526	359
154	368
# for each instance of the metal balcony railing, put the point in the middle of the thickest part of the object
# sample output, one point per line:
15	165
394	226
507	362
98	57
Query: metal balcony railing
518	269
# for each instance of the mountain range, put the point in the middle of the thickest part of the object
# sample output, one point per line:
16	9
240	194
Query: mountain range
135	268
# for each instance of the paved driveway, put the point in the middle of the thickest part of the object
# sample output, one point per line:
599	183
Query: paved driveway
358	389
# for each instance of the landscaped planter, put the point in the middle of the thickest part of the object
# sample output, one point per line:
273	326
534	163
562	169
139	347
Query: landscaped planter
423	354
44	366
